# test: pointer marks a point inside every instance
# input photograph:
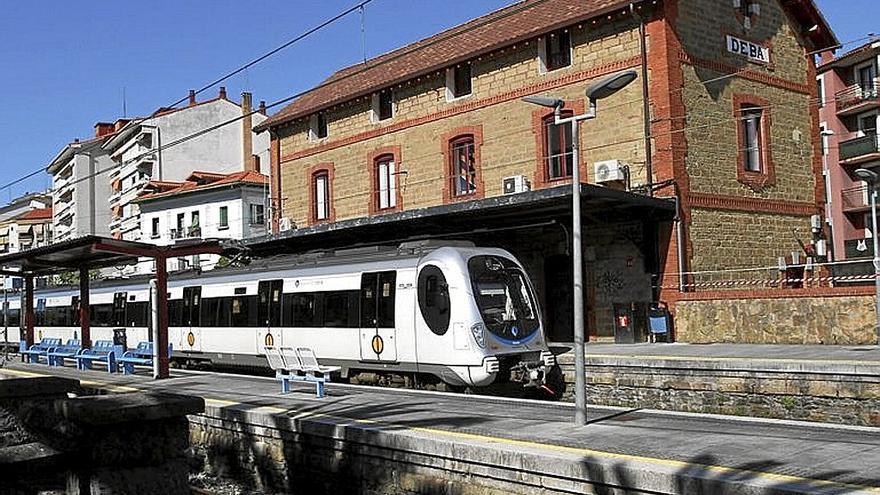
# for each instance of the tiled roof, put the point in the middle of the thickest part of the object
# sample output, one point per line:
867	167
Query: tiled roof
37	214
521	21
201	181
855	52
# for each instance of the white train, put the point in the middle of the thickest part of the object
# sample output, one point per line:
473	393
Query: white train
465	315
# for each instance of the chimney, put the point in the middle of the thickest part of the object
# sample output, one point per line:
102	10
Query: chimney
247	132
120	123
222	92
192	97
262	107
826	56
103	128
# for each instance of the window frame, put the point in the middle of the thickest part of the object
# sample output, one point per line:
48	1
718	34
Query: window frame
389	195
756	180
154	228
315	126
254	215
751	120
565	141
223	218
376	106
448	142
452	82
545	56
325	170
373	161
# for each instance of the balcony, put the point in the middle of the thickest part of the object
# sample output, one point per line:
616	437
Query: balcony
857	98
186	233
858	248
855	199
860	150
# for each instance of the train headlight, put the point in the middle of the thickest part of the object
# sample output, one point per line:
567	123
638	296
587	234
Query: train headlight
479	331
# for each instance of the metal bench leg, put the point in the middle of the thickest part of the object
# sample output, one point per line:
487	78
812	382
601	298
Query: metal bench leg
319	389
285	385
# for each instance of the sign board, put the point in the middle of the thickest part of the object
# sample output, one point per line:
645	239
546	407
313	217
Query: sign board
752	51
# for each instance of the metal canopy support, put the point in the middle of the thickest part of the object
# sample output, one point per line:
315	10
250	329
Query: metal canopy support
29	310
162	299
85	313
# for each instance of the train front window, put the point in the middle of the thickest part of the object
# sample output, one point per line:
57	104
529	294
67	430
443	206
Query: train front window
503	297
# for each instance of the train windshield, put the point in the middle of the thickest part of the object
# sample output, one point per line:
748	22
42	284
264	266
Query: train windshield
503	297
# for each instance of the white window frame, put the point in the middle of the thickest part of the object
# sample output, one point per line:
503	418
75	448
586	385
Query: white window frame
857	76
253	213
753	152
321	183
450	84
313	127
542	54
374	107
386	184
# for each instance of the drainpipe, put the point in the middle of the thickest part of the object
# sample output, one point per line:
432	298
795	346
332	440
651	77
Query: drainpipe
646	103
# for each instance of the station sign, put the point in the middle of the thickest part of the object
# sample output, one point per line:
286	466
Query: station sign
752	51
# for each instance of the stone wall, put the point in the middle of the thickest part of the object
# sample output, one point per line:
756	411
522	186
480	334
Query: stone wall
840	320
828	393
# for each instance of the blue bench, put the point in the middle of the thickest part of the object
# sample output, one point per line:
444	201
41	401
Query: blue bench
69	350
34	352
142	355
103	352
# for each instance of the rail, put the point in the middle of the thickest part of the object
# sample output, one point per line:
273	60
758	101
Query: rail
861	146
857	94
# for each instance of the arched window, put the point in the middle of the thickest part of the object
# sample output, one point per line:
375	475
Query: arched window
558	151
463	165
321	185
386	182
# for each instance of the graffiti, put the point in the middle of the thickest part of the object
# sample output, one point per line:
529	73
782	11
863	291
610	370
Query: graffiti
609	283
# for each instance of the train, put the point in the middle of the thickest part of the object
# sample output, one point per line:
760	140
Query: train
451	313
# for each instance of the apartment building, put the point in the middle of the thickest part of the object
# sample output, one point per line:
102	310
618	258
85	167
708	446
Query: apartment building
81	186
170	145
28	226
849	108
724	121
205	206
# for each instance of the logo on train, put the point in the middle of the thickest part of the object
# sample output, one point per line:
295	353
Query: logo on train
378	344
191	339
269	340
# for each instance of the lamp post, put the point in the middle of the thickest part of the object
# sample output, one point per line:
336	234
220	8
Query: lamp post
597	91
871	178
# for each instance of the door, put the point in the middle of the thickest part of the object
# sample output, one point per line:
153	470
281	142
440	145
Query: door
269	313
120	325
378	336
191	319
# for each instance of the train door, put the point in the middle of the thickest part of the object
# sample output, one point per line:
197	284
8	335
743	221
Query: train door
120	336
378	336
191	319
269	313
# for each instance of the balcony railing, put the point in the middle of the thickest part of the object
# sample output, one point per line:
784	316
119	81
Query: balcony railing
855	198
857	94
859	147
186	233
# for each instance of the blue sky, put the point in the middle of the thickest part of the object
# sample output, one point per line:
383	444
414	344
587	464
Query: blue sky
66	63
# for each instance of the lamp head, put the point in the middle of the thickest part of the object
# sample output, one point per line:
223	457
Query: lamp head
606	87
867	175
545	101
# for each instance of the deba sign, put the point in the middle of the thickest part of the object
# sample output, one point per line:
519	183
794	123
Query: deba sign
752	51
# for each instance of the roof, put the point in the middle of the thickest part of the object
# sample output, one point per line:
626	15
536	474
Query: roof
203	181
72	148
521	21
37	214
853	56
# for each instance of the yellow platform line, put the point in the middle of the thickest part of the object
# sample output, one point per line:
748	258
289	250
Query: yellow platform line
680	465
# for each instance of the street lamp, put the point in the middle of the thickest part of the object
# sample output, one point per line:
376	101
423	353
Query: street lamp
871	178
597	91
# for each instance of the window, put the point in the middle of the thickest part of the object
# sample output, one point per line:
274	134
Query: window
434	299
820	90
154	228
386	185
322	195
868	124
224	217
180	223
301	310
318	126
341	309
557	50
377	299
464	167
458	81
383	105
194	225
752	136
258	214
866	75
558	151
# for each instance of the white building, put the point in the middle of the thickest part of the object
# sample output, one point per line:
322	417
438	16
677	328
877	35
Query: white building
29	228
142	152
204	206
81	186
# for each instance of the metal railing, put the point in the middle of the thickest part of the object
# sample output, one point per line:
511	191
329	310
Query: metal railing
854	198
858	248
861	146
856	94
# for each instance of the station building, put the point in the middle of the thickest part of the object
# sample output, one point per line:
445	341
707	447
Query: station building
709	160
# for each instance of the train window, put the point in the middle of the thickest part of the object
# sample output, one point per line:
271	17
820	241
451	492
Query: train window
14	317
211	312
434	299
175	311
102	315
243	311
305	310
340	309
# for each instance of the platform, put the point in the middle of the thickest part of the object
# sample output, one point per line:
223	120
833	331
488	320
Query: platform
534	444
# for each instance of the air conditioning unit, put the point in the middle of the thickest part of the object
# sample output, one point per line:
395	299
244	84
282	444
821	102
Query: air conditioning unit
285	224
515	184
609	171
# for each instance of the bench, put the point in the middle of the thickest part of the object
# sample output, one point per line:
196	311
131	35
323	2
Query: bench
33	353
141	355
103	352
300	365
69	350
